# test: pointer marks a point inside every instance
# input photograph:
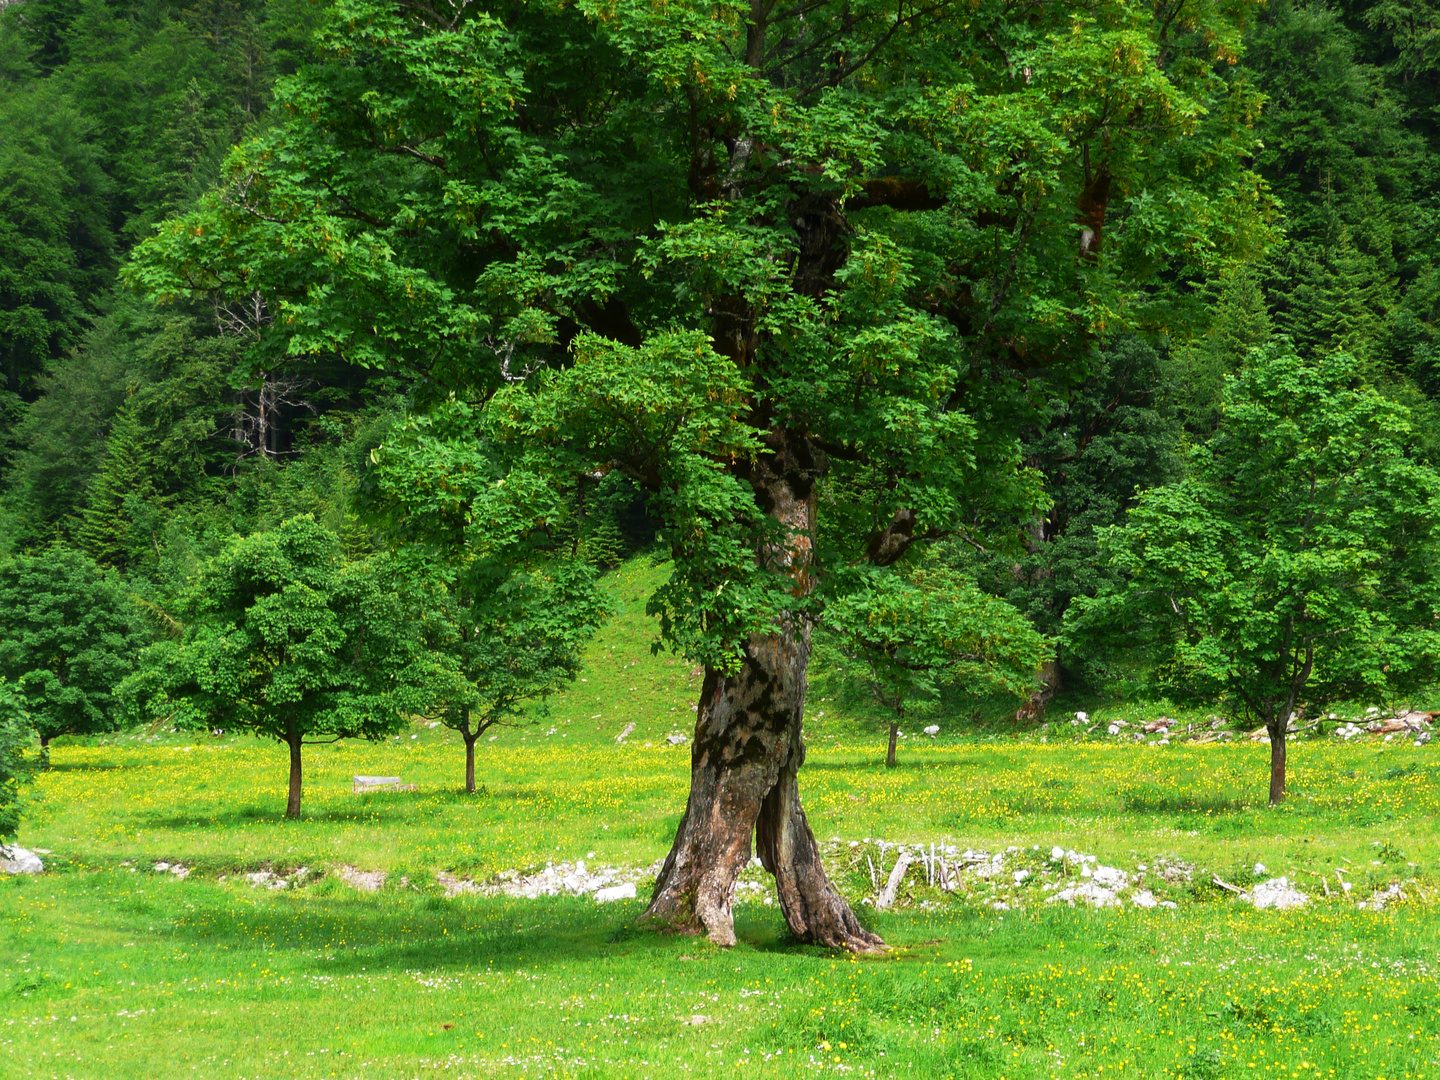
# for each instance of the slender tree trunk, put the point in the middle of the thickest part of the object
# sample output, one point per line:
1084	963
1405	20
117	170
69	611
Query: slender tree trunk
469	749
890	761
745	761
1277	761
292	807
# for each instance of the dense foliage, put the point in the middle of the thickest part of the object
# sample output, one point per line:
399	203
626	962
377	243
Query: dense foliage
575	274
1295	564
287	640
68	635
16	761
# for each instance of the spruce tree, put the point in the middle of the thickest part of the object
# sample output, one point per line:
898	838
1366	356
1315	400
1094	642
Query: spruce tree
107	525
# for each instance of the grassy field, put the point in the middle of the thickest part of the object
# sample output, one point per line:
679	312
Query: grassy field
110	967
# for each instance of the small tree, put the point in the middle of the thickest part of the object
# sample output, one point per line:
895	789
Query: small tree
518	597
68	635
904	638
1297	561
514	640
16	763
288	641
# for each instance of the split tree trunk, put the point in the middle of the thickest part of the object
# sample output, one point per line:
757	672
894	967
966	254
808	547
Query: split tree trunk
743	781
890	759
747	754
292	807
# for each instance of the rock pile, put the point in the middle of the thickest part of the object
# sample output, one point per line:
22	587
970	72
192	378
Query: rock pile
17	860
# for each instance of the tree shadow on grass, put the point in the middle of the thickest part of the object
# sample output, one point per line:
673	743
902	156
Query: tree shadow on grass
877	765
79	767
395	814
398	931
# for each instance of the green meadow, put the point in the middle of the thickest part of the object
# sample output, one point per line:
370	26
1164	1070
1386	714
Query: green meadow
110	967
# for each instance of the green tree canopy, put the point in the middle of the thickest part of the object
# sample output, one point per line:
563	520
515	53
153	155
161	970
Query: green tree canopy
287	641
738	252
905	638
1295	564
16	763
68	635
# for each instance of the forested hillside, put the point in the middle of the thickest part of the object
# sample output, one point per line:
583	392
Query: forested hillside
892	315
143	435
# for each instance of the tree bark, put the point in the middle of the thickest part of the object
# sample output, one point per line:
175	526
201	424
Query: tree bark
470	762
1277	761
746	757
890	760
744	781
292	807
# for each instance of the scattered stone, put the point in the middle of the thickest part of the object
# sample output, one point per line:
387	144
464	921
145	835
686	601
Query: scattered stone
615	892
363	880
266	878
1089	893
453	886
1411	722
675	740
1380	899
697	1020
379	783
1144	898
1110	878
624	732
933	730
1277	893
17	860
1164	723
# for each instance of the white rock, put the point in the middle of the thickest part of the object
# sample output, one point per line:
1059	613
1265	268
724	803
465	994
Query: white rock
1110	877
616	892
1277	893
1144	898
16	860
1087	892
1057	853
675	740
933	730
1021	875
452	885
1380	899
360	879
1082	717
1259	868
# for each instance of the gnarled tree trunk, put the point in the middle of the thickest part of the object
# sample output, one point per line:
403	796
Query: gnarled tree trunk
747	754
744	782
